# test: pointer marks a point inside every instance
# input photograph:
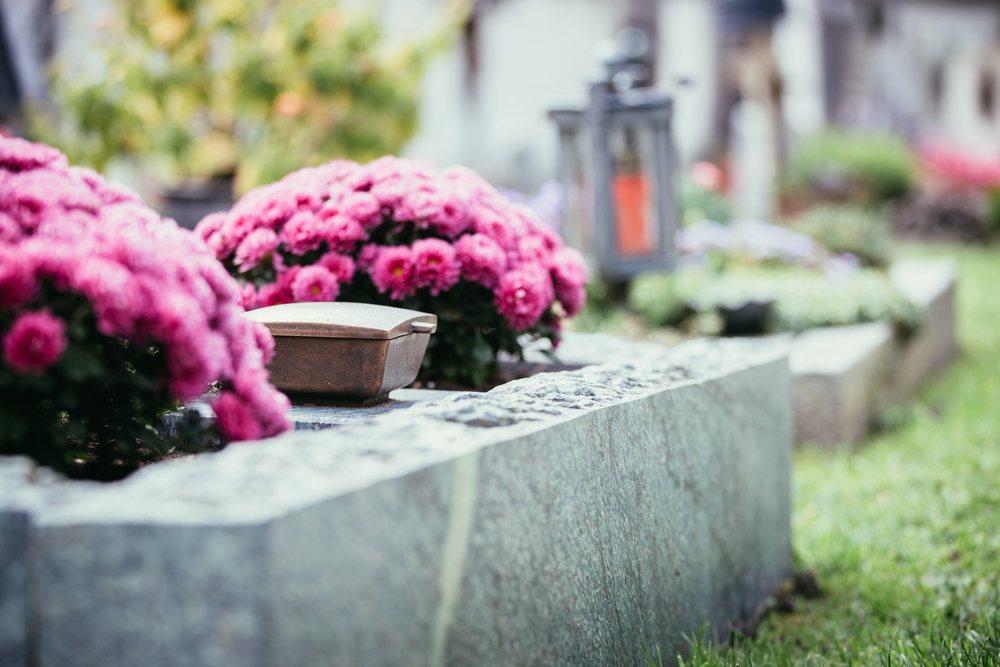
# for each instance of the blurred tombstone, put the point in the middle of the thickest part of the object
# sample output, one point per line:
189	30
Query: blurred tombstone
617	167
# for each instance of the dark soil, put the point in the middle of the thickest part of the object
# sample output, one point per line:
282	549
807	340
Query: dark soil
782	601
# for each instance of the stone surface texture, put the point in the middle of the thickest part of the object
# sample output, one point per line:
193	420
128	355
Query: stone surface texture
559	520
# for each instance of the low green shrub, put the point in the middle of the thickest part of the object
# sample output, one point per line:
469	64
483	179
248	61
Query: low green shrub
859	231
849	166
803	298
698	203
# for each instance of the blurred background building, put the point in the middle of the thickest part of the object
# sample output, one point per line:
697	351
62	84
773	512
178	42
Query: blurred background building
919	68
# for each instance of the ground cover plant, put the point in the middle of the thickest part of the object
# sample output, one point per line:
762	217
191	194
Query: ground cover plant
401	233
803	298
108	317
902	533
863	233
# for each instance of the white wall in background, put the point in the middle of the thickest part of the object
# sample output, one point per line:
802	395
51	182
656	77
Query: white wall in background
535	55
798	49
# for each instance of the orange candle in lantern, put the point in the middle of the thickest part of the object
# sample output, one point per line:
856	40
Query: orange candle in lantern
631	201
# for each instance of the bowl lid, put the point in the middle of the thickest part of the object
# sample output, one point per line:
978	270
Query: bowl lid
342	320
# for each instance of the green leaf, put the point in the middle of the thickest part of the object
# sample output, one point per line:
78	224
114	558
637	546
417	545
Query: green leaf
80	363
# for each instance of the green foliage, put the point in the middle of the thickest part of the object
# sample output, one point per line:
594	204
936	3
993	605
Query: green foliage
993	211
902	532
42	415
858	231
804	298
699	203
470	329
657	300
862	168
247	87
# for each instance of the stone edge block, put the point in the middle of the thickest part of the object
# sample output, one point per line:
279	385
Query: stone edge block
219	538
838	377
931	285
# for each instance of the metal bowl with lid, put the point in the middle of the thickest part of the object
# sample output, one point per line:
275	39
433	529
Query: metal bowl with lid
344	352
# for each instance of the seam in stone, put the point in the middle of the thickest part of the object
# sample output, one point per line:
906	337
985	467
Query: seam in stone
464	480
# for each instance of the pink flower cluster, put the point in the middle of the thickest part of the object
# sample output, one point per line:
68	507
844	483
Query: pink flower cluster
147	280
959	169
467	231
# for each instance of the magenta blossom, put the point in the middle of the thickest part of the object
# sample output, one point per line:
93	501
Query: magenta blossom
17	280
435	265
147	282
445	238
257	245
315	283
482	258
393	270
569	275
35	341
339	265
367	257
523	295
302	233
236	418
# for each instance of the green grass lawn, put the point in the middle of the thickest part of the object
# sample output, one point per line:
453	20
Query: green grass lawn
904	532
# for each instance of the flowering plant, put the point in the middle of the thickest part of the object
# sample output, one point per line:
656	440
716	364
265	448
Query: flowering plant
958	169
109	316
254	88
398	232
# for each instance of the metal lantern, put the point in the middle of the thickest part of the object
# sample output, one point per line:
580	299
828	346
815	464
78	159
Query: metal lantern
617	169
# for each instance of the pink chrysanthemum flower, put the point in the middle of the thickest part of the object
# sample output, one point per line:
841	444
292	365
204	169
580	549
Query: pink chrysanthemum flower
235	418
248	296
17	280
19	154
367	257
302	233
533	250
110	287
363	207
435	265
341	232
482	258
10	230
393	272
339	265
272	294
315	283
491	224
523	295
569	276
147	281
35	342
257	245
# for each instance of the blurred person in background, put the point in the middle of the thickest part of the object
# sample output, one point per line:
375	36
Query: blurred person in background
748	69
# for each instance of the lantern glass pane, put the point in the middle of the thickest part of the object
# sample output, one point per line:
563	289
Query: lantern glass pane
634	189
578	189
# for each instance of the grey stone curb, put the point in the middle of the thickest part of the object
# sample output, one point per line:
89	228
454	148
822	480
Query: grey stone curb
559	520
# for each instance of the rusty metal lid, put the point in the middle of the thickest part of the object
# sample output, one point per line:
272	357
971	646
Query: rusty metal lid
343	320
